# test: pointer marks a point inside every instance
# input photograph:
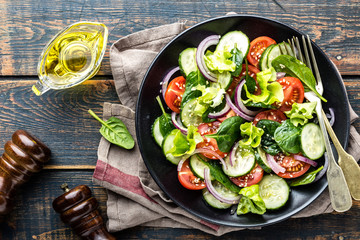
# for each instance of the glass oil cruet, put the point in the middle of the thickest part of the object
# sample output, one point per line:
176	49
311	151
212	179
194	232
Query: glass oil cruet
71	57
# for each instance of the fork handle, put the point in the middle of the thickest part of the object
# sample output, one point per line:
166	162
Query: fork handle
347	163
339	192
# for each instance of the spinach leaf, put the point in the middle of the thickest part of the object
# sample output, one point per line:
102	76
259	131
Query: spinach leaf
259	105
238	58
287	136
296	68
115	131
218	174
307	178
228	133
268	143
192	80
249	81
251	201
166	124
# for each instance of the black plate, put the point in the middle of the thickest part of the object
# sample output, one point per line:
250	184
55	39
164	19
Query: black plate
147	110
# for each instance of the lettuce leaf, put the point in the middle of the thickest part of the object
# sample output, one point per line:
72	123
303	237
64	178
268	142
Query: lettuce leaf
251	133
251	201
210	97
300	113
271	91
185	144
219	61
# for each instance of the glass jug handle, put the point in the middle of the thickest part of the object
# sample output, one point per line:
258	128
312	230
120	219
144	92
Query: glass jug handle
39	88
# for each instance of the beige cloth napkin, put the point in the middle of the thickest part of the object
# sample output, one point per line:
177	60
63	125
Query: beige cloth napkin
133	196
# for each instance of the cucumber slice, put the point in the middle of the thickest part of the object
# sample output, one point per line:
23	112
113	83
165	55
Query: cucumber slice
187	115
225	79
260	157
232	39
274	191
273	53
312	142
156	132
187	61
167	144
221	189
264	58
197	166
242	164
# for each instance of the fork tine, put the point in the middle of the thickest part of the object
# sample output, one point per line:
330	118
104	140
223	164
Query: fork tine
308	63
316	69
292	44
301	58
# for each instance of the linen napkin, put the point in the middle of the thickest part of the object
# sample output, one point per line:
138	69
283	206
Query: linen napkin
133	196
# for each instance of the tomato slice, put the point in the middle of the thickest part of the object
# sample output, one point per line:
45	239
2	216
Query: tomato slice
252	71
294	168
273	114
174	93
249	179
293	92
257	47
188	179
210	143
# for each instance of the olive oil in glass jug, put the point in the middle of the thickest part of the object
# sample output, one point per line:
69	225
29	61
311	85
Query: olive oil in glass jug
71	57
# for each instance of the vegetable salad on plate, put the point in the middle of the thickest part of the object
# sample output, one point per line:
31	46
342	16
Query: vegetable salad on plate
240	129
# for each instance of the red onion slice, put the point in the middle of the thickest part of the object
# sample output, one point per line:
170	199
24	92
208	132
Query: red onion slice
280	75
331	116
305	160
220	114
207	42
239	103
212	190
274	165
232	154
180	164
236	110
177	124
166	79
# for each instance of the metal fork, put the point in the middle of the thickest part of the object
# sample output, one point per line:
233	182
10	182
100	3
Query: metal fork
339	192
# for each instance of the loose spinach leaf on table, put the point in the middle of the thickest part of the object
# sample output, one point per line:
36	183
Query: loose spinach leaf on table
268	142
192	80
296	68
115	131
228	133
287	136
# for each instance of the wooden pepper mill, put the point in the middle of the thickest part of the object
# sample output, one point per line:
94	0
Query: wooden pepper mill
24	155
79	209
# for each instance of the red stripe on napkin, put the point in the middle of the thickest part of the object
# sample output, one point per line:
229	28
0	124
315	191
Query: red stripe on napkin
106	172
210	225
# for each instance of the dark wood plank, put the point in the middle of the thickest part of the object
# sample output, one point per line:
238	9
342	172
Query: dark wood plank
59	118
27	26
34	218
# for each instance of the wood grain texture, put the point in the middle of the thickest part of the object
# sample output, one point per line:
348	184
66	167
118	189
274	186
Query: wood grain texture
26	26
59	118
34	218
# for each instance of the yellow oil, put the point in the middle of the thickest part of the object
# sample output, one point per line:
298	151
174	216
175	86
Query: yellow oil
73	56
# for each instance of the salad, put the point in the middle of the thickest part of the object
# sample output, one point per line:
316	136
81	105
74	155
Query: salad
240	129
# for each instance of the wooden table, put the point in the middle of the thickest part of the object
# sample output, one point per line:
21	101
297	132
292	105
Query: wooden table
61	120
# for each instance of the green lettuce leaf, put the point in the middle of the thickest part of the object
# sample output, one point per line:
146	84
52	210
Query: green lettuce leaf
300	113
185	144
251	133
271	91
219	61
251	201
210	97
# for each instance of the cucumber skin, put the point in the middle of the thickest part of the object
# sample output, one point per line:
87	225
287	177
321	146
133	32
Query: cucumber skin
301	144
153	134
176	160
264	57
265	178
182	70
